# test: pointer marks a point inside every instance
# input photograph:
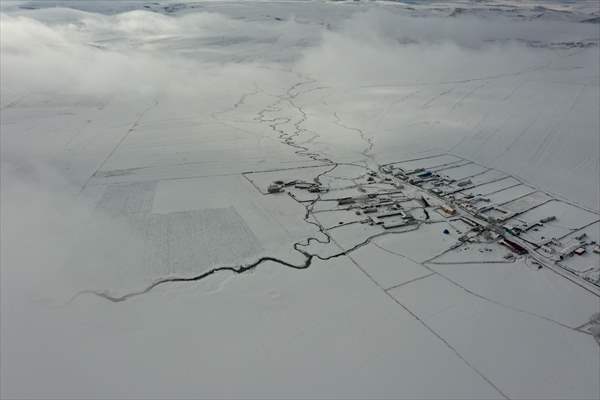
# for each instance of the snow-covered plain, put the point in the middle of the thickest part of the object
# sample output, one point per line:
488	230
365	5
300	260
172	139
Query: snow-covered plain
139	140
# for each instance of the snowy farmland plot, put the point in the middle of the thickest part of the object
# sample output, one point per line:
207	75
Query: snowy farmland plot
300	199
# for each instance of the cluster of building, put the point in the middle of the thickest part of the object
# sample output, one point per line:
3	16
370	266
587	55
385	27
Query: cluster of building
477	205
439	185
279	186
502	224
578	246
393	219
517	227
384	209
388	209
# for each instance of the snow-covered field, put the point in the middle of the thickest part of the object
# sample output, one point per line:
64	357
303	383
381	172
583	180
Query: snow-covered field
300	199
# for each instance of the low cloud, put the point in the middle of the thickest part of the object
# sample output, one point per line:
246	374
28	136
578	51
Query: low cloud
52	54
197	57
380	47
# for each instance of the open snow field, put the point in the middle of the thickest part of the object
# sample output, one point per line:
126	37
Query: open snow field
300	199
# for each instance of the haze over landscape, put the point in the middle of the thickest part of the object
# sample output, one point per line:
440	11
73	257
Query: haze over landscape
300	199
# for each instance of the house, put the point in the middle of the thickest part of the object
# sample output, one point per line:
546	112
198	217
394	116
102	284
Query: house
448	210
567	251
513	246
303	185
274	188
345	201
548	219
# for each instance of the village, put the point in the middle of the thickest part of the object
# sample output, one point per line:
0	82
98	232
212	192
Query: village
477	204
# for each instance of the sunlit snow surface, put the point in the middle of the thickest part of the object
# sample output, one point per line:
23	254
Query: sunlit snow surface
139	140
